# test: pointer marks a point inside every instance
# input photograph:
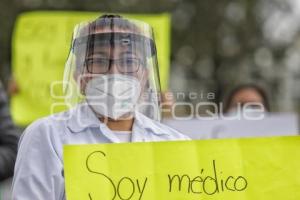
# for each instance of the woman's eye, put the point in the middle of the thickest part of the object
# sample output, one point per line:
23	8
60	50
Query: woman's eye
97	61
129	61
102	61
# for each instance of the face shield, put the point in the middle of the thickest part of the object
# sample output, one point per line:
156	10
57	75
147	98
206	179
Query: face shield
112	66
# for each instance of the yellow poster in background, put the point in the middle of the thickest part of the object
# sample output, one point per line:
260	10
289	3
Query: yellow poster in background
41	42
232	169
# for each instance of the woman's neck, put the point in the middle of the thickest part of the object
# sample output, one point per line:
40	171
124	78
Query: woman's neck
118	125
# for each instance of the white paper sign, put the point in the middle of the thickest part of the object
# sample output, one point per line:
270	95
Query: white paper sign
271	125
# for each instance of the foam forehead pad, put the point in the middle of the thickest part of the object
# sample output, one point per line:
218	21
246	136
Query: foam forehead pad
131	40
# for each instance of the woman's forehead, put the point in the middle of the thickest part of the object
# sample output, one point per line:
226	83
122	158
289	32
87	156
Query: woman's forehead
112	51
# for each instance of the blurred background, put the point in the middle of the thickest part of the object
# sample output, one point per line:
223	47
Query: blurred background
214	44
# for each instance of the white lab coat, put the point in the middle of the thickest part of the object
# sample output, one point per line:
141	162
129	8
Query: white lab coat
39	166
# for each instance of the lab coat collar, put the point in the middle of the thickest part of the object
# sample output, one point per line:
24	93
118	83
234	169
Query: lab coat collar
82	117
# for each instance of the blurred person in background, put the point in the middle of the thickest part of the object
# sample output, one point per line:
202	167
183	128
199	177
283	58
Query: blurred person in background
252	94
112	63
9	136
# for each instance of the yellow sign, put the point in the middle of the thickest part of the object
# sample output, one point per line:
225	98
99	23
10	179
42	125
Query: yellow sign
235	169
41	42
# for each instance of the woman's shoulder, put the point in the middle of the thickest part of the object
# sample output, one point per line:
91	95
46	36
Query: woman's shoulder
48	126
161	129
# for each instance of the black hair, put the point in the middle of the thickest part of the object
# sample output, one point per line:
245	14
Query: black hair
110	16
260	89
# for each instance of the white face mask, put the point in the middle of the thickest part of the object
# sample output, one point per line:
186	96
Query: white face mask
113	95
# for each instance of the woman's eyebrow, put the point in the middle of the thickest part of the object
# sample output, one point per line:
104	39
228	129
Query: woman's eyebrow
129	53
98	54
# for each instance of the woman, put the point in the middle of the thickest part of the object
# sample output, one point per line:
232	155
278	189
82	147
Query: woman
111	77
